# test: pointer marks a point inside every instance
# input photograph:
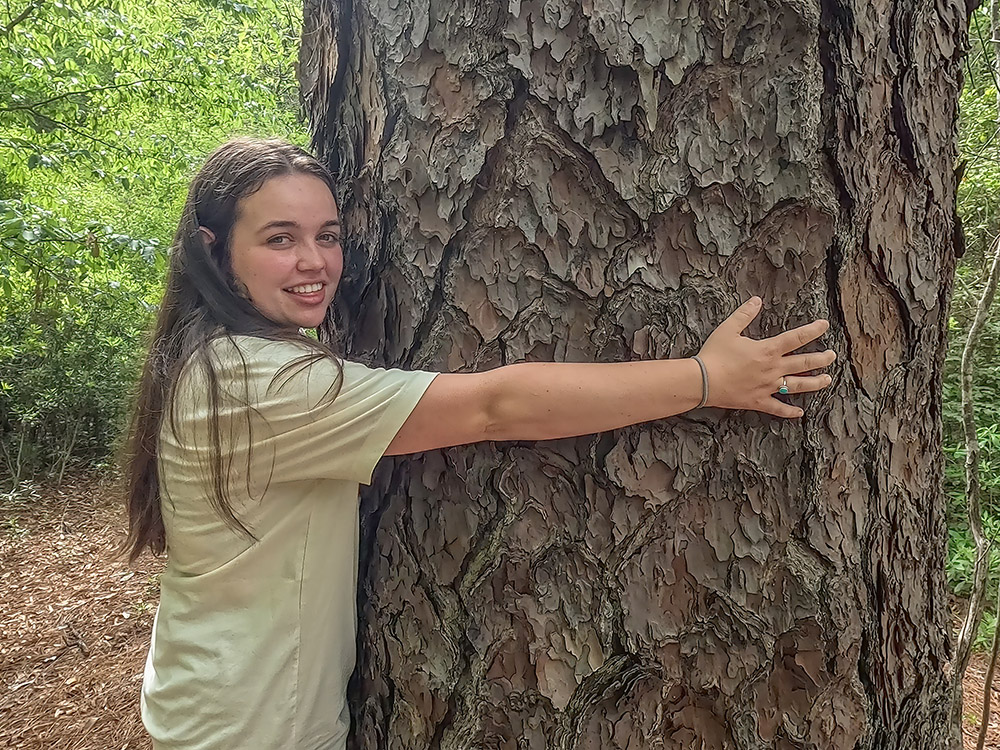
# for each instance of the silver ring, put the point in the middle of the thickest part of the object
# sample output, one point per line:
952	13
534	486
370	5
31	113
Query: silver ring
783	390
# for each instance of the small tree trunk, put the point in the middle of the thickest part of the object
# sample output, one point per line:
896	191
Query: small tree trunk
980	574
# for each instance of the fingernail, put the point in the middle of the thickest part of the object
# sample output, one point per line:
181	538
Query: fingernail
755	300
828	379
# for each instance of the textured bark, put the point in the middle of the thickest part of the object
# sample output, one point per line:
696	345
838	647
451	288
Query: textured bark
546	179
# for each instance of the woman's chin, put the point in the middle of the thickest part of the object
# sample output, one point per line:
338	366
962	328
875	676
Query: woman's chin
310	321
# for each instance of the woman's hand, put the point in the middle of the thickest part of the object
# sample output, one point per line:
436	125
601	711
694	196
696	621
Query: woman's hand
745	373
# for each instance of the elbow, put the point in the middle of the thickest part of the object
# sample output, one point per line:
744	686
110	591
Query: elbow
494	418
507	406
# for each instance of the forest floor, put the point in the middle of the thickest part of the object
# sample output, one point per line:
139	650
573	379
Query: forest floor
75	620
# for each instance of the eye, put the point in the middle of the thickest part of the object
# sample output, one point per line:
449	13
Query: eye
331	237
279	240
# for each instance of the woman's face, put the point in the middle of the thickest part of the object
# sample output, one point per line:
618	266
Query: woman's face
285	249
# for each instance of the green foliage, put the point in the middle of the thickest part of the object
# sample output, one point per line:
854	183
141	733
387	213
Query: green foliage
988	435
979	146
106	108
962	556
979	209
74	308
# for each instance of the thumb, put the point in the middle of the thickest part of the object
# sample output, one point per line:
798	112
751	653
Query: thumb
743	316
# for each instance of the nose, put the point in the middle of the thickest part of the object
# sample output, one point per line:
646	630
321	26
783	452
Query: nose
310	257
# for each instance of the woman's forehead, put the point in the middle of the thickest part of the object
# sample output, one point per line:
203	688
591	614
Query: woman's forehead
294	198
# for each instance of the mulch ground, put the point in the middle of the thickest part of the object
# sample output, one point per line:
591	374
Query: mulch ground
975	681
75	620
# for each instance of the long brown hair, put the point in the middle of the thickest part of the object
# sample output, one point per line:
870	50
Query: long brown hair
202	302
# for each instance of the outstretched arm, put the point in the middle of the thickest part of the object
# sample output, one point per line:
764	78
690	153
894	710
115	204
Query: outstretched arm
547	400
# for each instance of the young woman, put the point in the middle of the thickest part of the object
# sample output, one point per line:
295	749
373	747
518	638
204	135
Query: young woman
250	439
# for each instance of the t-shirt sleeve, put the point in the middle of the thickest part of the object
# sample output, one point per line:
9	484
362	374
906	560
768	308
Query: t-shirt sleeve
315	431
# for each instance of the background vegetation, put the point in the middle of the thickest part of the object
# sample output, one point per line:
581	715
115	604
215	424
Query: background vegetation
106	108
979	209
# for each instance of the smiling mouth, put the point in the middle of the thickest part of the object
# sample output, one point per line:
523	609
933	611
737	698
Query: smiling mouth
306	288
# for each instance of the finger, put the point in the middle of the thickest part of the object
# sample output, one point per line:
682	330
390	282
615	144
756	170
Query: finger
796	338
795	363
780	409
807	384
743	316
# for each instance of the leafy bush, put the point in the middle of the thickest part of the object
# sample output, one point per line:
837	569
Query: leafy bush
74	306
114	102
979	209
108	107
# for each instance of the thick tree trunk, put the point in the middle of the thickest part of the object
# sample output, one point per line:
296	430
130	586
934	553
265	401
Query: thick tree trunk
546	179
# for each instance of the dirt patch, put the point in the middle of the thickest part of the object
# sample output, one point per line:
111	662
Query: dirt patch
973	685
76	619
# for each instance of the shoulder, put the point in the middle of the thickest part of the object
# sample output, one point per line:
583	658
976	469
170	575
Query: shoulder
251	356
279	365
251	369
226	349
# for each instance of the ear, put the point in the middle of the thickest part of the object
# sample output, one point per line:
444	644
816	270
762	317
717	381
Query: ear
207	237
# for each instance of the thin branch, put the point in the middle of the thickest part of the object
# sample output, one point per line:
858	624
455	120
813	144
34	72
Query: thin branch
39	266
987	688
983	545
95	139
68	94
82	133
22	16
987	51
996	85
974	614
975	157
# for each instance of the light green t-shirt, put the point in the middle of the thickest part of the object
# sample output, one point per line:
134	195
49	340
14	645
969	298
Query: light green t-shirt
254	641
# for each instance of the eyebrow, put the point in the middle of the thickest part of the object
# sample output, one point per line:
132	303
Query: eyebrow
294	225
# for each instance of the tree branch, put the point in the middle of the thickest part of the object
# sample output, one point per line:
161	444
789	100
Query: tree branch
38	265
95	139
971	624
987	688
68	94
82	134
22	16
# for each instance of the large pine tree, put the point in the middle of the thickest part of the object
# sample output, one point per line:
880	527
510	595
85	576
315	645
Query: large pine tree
606	180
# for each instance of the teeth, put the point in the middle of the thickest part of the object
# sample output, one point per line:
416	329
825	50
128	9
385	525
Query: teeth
306	288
